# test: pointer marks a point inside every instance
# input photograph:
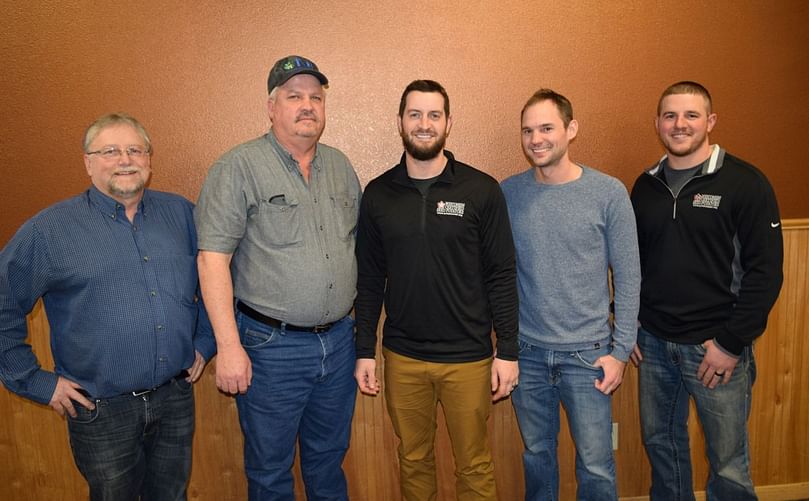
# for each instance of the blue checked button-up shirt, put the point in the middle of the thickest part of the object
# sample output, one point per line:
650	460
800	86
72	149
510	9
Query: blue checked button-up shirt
121	298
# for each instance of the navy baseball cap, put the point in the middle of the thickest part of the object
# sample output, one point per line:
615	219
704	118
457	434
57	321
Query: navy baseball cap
287	67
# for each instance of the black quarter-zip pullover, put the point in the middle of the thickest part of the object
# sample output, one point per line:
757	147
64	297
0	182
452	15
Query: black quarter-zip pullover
443	262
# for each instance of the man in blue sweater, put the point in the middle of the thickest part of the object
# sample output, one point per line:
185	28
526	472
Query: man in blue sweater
572	225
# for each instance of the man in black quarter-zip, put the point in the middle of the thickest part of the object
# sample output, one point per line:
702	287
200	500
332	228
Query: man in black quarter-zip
434	242
711	256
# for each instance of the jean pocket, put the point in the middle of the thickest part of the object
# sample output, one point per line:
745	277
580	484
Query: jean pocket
252	339
589	357
85	415
523	346
182	384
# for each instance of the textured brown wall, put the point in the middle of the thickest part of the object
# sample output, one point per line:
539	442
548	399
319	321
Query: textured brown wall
195	72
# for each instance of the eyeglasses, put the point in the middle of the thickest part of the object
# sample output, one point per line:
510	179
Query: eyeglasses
113	152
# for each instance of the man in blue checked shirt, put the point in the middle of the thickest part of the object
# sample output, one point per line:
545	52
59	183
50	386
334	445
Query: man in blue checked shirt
116	269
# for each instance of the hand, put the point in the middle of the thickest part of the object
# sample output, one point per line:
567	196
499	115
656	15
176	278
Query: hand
505	377
365	374
65	394
636	356
716	367
613	374
234	372
195	371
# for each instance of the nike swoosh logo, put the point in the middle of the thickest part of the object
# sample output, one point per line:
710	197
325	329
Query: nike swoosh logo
775	225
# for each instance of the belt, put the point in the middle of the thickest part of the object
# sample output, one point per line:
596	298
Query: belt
278	324
137	393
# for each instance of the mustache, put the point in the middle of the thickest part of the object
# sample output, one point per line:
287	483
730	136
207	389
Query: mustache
306	115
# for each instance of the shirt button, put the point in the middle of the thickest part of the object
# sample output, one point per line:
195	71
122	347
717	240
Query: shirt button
145	258
327	256
160	327
321	227
152	293
331	286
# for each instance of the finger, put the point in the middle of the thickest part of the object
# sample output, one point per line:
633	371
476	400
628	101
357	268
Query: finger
702	371
221	384
636	355
83	401
68	407
602	386
193	373
57	406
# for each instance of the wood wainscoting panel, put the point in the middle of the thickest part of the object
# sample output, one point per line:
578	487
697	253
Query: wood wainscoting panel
36	463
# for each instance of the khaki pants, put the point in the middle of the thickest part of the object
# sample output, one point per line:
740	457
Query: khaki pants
412	390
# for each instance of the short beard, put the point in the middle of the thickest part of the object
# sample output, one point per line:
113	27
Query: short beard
423	153
129	193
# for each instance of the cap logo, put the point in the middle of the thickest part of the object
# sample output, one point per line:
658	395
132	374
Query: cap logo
288	65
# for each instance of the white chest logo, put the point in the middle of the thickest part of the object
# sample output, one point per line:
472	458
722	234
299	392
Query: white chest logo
706	201
450	208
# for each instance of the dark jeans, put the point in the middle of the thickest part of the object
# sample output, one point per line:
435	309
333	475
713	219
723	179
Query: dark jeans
132	448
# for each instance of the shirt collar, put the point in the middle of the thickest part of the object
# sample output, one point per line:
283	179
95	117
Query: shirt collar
286	157
111	207
446	176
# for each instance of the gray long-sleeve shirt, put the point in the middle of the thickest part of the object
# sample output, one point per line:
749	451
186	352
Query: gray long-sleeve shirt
567	238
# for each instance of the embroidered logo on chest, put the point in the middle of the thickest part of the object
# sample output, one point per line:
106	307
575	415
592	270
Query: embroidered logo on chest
450	208
706	201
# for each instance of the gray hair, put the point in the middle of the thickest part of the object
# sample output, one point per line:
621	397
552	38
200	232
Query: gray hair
113	119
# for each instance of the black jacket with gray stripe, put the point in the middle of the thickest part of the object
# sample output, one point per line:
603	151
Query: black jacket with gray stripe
711	257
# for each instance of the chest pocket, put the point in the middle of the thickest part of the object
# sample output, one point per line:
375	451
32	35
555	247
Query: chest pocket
345	214
279	221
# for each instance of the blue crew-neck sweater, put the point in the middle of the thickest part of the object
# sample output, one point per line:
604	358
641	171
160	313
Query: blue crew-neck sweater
568	236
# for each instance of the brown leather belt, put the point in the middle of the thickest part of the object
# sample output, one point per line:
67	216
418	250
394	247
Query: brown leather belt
277	324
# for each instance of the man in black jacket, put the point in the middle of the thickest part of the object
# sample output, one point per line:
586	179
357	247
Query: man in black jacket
434	242
711	262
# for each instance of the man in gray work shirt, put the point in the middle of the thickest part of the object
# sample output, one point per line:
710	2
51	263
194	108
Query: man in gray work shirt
276	219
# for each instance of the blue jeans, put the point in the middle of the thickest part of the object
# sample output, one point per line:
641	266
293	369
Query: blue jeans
303	387
548	378
667	377
132	448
